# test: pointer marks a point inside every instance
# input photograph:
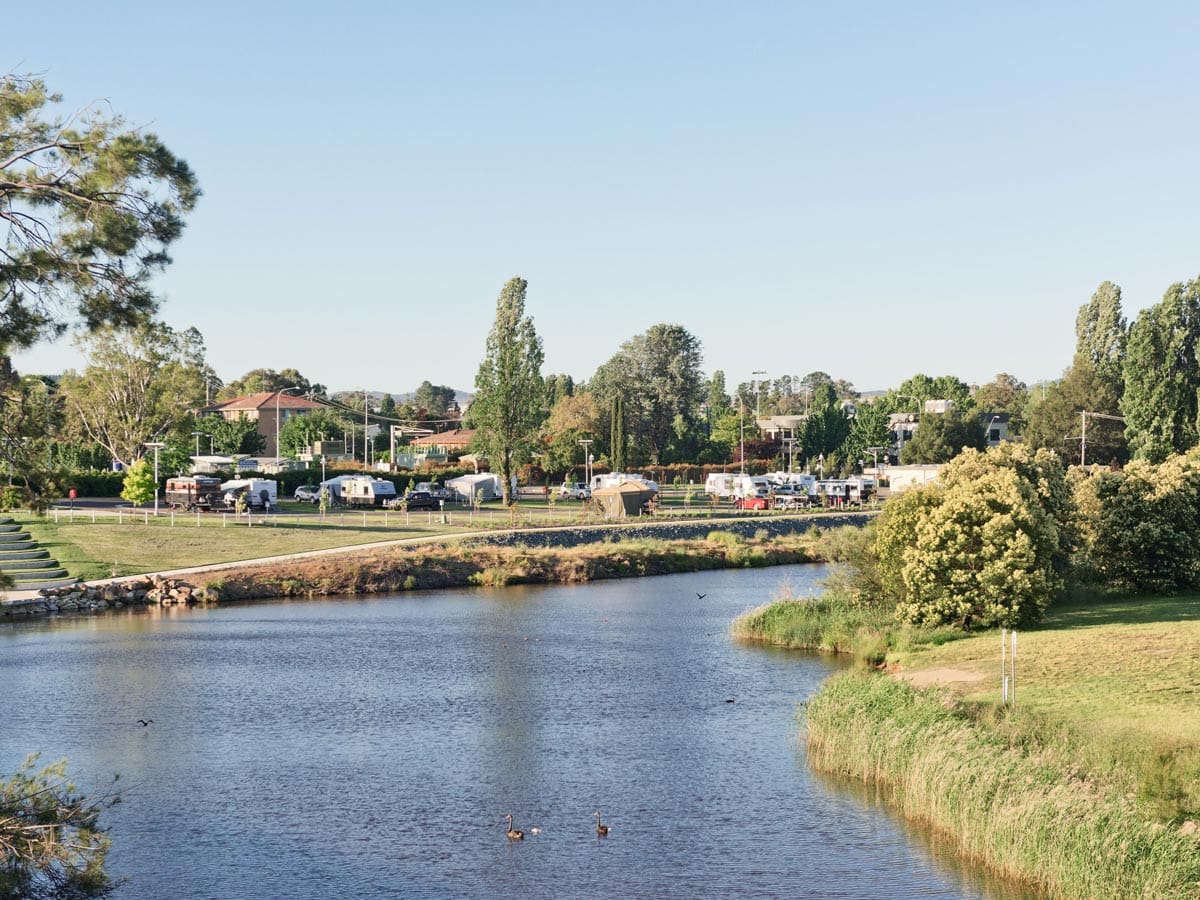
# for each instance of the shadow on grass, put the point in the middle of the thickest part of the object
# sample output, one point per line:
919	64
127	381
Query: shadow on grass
1137	610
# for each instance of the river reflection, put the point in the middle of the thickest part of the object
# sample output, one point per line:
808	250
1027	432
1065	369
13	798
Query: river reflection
371	747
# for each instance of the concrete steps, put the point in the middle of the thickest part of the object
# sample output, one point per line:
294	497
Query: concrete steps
34	553
30	567
41	585
25	565
22	580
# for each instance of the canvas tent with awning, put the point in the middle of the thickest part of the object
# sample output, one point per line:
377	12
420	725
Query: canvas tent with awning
622	500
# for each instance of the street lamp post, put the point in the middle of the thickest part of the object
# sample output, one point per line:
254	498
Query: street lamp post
155	446
277	393
741	435
199	434
757	392
587	456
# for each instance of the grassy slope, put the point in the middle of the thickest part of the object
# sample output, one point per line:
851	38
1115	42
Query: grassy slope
91	551
1122	679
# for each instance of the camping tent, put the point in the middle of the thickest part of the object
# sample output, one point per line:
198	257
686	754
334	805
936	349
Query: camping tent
465	487
622	500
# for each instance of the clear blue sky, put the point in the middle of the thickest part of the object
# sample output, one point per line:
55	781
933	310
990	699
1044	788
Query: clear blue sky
870	190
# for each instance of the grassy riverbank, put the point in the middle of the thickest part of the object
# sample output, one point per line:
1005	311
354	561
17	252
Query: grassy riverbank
1088	788
1023	809
426	566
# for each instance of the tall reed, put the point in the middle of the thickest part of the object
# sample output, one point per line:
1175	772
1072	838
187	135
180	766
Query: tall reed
1024	810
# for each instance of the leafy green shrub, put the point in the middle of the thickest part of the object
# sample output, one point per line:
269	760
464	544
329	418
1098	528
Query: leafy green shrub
96	483
728	538
12	497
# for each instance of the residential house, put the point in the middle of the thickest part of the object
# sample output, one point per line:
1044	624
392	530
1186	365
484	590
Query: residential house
269	410
435	447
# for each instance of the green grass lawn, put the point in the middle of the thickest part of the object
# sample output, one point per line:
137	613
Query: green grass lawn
130	547
1120	679
1131	666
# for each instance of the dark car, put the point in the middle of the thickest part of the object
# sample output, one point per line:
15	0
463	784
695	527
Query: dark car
422	500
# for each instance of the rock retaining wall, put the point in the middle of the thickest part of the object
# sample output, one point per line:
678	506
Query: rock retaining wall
144	590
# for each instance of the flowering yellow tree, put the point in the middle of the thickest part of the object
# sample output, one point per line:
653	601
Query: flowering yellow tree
981	547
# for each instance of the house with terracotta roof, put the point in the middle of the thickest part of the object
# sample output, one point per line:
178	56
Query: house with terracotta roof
269	410
436	447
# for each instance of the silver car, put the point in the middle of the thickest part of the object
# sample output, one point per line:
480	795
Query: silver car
307	493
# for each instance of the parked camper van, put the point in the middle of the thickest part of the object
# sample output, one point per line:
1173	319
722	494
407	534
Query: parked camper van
258	493
193	492
363	490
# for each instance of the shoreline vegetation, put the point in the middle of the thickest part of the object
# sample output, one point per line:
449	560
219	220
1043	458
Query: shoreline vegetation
1058	802
466	564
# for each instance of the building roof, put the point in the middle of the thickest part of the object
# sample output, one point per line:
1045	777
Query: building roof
457	438
265	400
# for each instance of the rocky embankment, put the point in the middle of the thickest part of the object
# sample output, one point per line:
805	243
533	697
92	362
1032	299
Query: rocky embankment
145	590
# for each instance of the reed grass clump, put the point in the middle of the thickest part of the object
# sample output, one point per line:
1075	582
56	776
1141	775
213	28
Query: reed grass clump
1023	808
830	622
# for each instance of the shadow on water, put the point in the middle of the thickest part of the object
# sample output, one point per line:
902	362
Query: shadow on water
943	849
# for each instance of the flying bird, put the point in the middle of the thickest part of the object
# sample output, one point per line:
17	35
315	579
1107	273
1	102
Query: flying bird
700	596
144	722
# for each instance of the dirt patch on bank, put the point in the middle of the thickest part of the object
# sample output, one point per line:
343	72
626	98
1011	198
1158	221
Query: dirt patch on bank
941	676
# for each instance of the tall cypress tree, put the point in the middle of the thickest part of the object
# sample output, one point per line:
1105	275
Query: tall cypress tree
617	433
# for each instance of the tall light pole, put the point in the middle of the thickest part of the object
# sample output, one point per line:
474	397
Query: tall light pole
155	446
197	435
741	433
277	393
757	392
587	474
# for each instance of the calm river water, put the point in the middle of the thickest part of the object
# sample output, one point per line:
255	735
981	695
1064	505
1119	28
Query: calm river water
371	747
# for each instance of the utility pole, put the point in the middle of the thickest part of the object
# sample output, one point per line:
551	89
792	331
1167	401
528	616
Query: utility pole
1083	431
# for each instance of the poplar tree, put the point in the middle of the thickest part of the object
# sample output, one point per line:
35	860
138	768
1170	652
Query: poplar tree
1101	335
509	390
1162	375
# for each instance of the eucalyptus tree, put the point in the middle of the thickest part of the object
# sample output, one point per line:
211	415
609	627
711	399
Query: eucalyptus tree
139	384
509	390
262	381
658	377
